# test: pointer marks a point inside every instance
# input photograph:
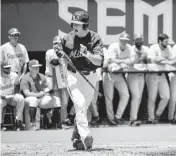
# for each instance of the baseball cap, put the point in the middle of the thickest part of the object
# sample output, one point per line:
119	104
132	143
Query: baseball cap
34	63
13	31
5	64
80	17
124	36
138	36
57	39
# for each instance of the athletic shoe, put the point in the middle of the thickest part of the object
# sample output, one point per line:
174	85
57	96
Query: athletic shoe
95	120
118	121
112	122
134	123
151	122
78	144
33	127
18	125
88	142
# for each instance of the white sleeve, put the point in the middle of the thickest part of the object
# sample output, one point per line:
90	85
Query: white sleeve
49	67
26	56
151	53
112	51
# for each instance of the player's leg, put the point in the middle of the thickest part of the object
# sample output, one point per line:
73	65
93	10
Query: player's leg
136	85
152	87
81	95
94	107
31	104
122	88
18	102
164	93
53	103
64	103
3	103
108	88
172	102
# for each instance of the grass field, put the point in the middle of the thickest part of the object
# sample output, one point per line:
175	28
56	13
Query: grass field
147	140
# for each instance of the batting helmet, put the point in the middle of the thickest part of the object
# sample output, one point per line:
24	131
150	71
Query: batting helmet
80	17
5	64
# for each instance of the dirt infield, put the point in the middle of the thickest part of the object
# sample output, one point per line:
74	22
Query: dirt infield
159	140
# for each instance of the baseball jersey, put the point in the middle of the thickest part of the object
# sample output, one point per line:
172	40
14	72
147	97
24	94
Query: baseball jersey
114	52
17	56
59	70
7	84
33	85
155	51
71	46
138	53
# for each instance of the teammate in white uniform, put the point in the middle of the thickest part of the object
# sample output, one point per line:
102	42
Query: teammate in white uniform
56	75
85	49
157	83
172	102
120	55
15	52
8	80
136	81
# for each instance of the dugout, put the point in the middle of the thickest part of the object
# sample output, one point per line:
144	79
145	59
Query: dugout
40	20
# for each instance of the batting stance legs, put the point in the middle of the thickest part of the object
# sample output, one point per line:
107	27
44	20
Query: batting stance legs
109	82
136	86
172	102
81	94
157	83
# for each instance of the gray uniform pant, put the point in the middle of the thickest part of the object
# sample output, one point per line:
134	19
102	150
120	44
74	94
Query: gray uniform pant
136	86
157	84
110	81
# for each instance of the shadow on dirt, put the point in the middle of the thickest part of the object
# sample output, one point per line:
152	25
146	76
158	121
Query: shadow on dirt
93	150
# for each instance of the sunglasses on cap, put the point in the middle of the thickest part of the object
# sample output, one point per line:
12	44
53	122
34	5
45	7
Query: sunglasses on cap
15	35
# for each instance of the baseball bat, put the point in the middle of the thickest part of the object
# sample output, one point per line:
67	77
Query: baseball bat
74	68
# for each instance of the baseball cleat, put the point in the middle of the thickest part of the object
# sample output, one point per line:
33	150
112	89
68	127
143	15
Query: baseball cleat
134	123
88	142
78	144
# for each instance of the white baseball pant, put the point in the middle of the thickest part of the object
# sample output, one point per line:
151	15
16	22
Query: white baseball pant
110	81
81	95
16	101
172	102
157	83
136	86
93	108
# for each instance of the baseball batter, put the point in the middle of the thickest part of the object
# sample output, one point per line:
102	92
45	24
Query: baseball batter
8	80
172	102
55	72
157	83
136	81
120	55
15	53
85	49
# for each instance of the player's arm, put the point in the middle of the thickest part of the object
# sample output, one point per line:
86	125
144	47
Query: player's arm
127	60
171	57
26	60
152	56
96	57
25	88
